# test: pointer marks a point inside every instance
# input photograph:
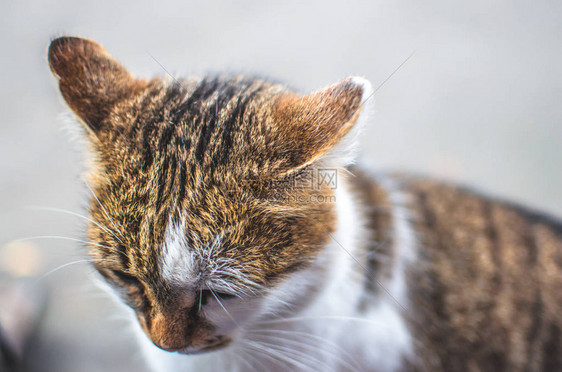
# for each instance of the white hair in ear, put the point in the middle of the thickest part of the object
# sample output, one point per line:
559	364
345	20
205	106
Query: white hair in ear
345	152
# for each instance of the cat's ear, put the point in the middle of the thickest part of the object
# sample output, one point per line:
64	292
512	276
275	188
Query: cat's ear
323	123
90	80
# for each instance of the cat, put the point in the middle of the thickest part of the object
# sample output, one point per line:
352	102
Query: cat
232	216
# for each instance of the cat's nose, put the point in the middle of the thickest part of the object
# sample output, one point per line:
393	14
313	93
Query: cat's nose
169	333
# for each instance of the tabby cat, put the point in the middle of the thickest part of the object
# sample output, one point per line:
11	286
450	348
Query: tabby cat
230	214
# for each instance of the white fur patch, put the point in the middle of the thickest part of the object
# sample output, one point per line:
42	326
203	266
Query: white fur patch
395	340
200	267
404	236
380	336
177	262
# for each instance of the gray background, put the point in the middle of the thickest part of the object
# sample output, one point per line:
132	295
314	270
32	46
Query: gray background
478	103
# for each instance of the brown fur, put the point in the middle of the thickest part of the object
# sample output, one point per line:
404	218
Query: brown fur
235	157
485	293
226	153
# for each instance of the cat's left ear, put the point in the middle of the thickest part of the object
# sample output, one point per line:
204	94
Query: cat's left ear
322	125
90	79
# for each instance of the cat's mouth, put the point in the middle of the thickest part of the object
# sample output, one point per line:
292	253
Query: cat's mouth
220	344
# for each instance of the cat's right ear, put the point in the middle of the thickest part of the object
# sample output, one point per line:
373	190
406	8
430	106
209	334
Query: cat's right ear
90	80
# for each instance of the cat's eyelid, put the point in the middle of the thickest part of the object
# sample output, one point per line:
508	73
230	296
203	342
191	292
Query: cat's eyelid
219	294
125	278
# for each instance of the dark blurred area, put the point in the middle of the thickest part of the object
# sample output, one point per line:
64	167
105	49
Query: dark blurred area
23	303
478	103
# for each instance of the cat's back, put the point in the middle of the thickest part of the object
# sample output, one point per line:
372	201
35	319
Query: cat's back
485	286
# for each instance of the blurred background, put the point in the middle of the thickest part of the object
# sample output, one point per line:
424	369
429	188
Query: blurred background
479	103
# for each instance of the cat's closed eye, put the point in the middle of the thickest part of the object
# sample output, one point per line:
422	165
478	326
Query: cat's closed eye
131	289
207	294
125	278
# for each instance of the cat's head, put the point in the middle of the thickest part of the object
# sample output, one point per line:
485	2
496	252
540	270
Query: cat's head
208	193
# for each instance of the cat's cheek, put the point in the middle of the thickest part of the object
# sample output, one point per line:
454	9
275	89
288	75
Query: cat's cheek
236	314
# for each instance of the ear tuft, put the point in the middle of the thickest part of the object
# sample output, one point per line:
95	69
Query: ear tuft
365	85
90	80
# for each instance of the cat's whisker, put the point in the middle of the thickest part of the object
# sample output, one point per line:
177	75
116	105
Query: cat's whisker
286	340
105	212
36	281
275	355
309	360
211	246
308	348
60	210
243	360
251	352
294	357
62	238
222	306
248	352
321	317
242	286
90	260
287	333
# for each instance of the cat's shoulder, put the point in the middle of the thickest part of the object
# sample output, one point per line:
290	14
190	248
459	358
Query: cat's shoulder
448	197
438	201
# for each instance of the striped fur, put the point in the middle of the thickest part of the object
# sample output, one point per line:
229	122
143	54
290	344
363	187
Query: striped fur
486	287
212	218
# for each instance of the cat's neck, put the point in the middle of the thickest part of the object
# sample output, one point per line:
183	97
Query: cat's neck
366	251
362	294
375	244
